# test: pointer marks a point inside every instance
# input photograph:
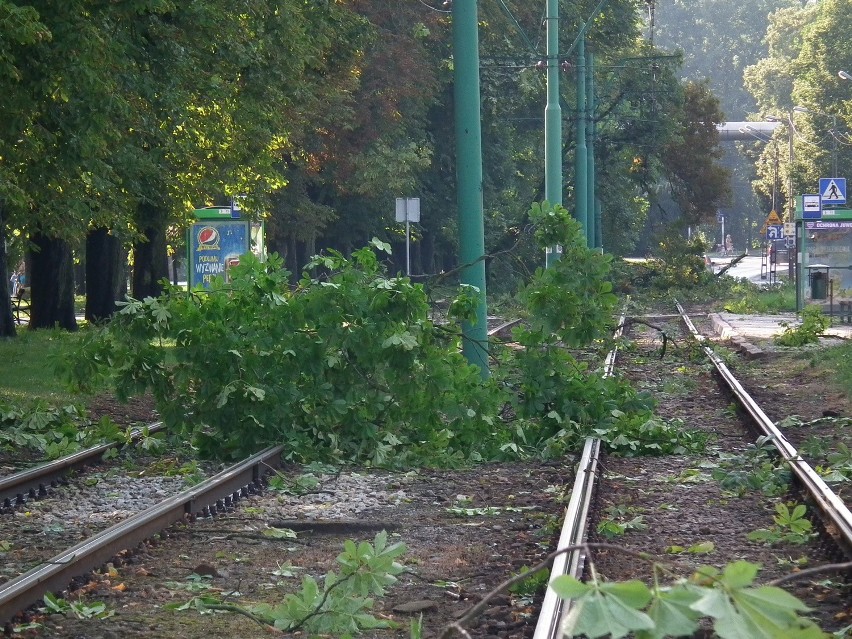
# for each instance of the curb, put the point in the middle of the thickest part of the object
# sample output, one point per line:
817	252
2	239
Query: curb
726	332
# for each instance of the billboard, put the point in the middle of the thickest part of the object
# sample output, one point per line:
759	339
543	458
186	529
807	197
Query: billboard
215	245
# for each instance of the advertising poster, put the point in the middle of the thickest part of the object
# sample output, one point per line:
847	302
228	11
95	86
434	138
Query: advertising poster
215	246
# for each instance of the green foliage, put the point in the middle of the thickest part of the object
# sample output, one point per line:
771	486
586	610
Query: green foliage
737	608
52	432
677	269
746	297
813	325
301	485
791	526
619	520
559	400
757	469
534	584
349	366
680	263
346	366
572	300
78	609
340	605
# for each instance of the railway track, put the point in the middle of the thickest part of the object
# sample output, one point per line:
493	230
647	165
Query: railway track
466	530
835	517
16	489
216	494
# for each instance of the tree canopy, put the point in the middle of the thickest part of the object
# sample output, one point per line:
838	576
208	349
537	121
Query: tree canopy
123	117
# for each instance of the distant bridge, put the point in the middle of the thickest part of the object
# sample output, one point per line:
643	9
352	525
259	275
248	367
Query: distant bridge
746	131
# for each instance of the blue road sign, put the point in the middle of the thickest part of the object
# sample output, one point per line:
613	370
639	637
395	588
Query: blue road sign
833	190
811	206
775	232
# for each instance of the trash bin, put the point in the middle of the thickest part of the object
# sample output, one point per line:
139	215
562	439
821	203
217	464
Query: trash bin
819	285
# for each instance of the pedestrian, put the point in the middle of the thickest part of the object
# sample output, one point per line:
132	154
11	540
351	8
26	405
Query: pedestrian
729	245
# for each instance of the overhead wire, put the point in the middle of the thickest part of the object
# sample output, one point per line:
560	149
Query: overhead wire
429	6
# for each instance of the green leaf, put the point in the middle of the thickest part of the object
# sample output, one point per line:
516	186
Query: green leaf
702	548
606	609
670	610
568	587
279	533
740	573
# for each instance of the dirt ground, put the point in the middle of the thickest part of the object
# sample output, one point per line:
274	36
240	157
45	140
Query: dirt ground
465	531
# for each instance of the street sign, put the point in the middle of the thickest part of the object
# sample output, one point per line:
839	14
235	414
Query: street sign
811	207
771	220
775	232
832	190
408	209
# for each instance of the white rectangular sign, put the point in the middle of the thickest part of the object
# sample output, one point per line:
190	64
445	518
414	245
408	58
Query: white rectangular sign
408	209
811	207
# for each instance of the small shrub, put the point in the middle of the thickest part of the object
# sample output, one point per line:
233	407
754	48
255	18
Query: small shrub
813	325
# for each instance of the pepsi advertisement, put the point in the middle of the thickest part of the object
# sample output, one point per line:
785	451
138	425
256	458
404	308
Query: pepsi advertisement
215	247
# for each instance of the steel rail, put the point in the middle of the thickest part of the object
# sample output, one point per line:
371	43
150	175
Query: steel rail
574	527
15	488
504	326
824	497
55	574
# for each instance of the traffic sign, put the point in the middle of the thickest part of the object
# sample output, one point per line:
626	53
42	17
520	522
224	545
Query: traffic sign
771	220
775	232
789	229
833	190
811	207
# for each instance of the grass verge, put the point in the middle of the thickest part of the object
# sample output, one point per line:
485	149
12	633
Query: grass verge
29	370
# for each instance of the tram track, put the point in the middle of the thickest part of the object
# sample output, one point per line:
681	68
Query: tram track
833	512
218	493
466	530
33	483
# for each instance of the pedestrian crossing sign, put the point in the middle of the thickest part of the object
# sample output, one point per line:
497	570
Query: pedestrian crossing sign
771	220
833	190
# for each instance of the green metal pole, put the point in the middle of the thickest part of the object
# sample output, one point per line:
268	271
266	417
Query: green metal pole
598	225
581	180
469	175
590	149
552	121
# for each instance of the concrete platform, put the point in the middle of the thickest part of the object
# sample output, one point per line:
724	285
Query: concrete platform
744	330
765	326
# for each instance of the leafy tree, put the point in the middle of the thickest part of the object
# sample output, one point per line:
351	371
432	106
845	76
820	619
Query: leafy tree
698	184
801	70
718	40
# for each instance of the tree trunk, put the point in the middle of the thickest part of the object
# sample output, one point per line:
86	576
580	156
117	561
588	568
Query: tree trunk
292	260
104	274
7	321
150	258
427	254
51	281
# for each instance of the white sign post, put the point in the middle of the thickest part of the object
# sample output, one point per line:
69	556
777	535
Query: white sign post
407	210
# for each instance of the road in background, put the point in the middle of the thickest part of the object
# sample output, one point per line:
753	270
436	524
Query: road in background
748	268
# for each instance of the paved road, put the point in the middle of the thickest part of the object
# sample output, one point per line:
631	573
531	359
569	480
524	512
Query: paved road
749	268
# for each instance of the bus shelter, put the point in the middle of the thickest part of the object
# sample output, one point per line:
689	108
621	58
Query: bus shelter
825	276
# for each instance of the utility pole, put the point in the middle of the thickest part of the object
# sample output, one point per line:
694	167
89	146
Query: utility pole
552	122
581	159
593	238
468	128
